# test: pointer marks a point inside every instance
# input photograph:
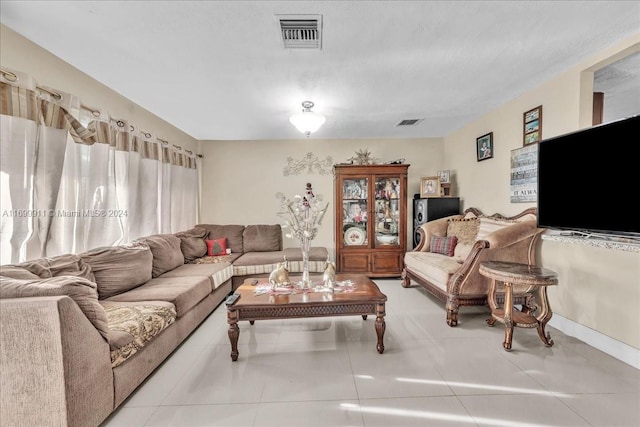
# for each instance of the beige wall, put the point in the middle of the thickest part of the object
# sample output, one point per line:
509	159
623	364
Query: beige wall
598	288
18	53
241	178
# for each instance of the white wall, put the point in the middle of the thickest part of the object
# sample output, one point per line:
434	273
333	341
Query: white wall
241	178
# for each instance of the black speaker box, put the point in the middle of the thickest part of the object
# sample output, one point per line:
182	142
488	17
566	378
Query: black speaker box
431	208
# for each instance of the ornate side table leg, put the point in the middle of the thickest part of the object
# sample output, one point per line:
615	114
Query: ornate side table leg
508	313
544	316
491	299
234	332
380	326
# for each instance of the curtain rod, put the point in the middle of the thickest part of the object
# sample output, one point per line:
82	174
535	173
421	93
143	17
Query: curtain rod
13	77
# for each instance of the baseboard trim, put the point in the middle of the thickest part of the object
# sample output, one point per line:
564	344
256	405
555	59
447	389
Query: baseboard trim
621	351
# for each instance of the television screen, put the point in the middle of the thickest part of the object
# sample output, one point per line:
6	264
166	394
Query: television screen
588	180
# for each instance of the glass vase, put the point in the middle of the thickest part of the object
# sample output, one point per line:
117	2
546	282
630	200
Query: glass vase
305	282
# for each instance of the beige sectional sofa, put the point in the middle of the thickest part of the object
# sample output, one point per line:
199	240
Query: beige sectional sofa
80	332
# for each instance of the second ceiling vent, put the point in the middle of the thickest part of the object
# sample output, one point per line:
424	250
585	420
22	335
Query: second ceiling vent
301	31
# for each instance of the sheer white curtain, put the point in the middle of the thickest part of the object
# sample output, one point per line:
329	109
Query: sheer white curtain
73	178
17	162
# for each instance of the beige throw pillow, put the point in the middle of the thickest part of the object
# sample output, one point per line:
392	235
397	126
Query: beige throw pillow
466	230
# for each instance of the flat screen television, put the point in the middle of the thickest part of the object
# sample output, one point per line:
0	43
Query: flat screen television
589	180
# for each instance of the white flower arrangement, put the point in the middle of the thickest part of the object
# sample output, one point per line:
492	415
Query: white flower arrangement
303	215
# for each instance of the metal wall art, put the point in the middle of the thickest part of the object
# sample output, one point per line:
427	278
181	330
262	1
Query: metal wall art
308	164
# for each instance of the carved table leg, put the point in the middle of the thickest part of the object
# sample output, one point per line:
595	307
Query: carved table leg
234	332
491	299
508	312
380	326
544	316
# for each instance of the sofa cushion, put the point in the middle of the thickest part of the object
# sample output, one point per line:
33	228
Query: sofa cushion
217	247
443	245
262	238
489	225
192	243
183	292
62	265
166	251
132	325
265	262
84	292
435	268
118	269
16	272
233	233
217	273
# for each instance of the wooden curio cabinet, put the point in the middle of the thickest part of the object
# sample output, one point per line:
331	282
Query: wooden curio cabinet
371	219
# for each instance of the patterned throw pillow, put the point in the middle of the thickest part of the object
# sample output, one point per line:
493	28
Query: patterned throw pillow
217	247
465	230
443	245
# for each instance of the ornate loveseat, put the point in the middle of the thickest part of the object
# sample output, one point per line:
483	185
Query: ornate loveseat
447	260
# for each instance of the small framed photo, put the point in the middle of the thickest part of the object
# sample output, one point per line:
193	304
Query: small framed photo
444	176
532	125
484	146
430	186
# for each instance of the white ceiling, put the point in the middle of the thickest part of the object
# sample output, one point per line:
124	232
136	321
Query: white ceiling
218	69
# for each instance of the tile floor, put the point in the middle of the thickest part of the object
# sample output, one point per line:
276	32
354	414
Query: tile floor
326	372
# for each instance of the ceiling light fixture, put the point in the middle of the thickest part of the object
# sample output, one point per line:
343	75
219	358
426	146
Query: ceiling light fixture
307	121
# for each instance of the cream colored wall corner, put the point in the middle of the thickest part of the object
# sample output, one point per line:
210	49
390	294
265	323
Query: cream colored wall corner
18	53
598	288
241	178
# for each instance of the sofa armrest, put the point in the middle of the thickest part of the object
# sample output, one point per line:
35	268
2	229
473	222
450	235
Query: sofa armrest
436	227
512	234
515	243
56	367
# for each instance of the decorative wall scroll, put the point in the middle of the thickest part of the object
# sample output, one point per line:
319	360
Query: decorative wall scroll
308	164
524	174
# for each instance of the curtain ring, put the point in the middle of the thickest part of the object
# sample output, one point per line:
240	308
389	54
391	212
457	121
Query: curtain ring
12	77
56	95
120	123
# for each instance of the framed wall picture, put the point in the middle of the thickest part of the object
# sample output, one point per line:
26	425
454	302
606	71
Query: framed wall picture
484	146
444	176
430	186
532	125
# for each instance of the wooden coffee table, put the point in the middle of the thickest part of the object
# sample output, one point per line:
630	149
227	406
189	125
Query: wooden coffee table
364	299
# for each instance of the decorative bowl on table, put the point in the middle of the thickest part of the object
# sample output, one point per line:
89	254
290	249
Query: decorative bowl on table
387	239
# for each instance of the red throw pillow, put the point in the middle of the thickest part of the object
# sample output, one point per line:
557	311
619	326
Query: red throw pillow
217	247
443	245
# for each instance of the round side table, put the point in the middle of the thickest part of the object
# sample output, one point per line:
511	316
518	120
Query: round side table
535	313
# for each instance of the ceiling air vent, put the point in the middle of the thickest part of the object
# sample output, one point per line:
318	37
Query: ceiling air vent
409	122
301	31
